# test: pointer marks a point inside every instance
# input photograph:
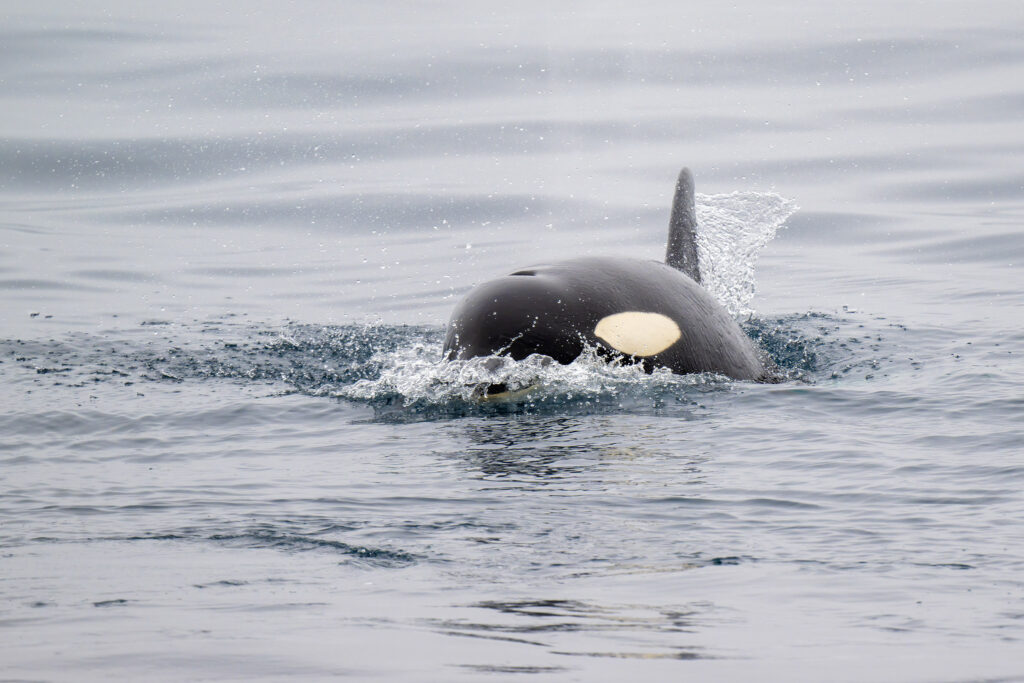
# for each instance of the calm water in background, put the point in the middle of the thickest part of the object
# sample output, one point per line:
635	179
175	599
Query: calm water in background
230	238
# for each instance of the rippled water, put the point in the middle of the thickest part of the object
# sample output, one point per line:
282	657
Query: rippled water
230	239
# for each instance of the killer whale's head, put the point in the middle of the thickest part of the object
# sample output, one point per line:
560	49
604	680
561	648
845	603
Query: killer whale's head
548	310
523	313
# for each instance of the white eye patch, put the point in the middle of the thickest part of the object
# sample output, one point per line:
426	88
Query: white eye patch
638	334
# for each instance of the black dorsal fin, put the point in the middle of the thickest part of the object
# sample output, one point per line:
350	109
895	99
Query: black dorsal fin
681	253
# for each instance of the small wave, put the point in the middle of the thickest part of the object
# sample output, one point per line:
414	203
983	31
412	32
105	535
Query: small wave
796	344
263	538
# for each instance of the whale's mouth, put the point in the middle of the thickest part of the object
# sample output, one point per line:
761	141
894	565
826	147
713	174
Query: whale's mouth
504	379
500	393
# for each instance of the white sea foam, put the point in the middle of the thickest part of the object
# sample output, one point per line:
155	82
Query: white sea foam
415	375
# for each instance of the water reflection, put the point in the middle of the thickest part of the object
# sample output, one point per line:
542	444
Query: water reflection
561	626
541	450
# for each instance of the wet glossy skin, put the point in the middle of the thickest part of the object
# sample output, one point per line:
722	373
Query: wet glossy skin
554	309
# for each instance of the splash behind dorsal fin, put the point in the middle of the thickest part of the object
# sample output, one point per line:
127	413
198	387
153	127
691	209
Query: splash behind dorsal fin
681	252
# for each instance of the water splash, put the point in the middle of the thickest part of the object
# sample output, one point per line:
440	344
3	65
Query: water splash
734	228
400	366
412	376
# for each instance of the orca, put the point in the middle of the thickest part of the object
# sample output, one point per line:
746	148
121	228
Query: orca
648	312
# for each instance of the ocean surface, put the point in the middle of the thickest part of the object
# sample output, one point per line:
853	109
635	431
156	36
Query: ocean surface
231	236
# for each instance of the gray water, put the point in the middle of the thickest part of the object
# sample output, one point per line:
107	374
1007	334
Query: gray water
230	238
